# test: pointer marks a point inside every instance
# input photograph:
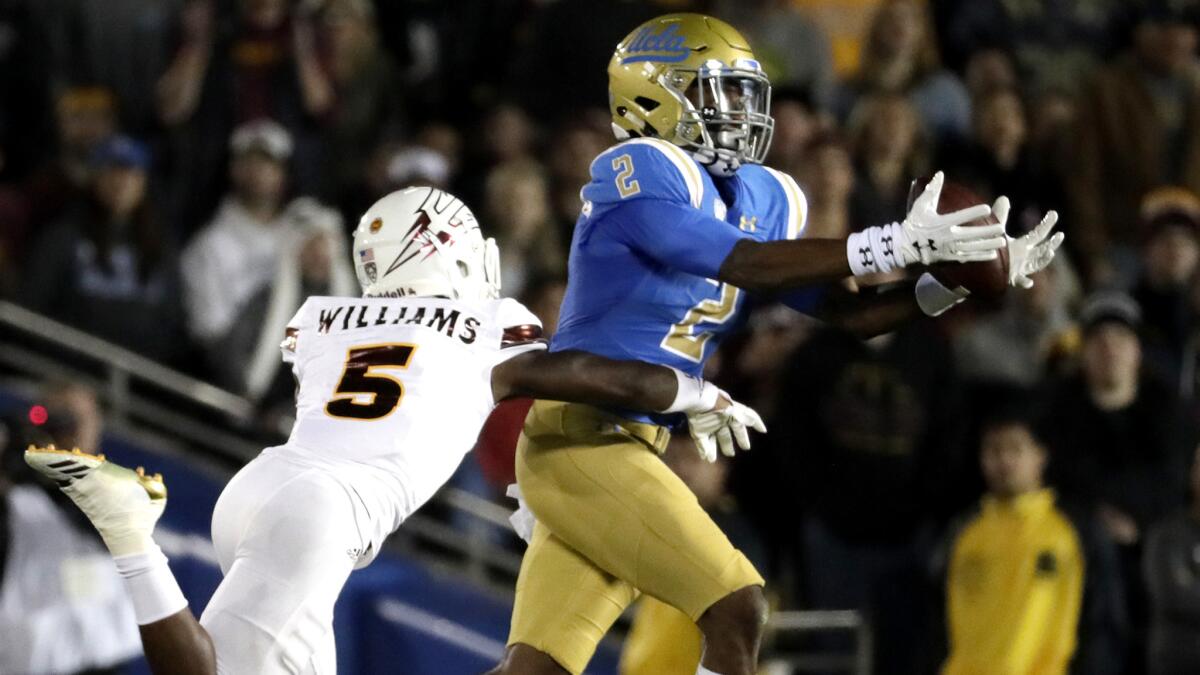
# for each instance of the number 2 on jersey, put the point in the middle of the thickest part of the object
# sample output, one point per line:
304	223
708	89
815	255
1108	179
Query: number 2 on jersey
359	380
682	338
623	165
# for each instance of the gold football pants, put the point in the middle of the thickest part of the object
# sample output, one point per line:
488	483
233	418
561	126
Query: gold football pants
613	521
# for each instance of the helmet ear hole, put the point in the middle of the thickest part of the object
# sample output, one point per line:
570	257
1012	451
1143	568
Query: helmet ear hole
648	104
463	268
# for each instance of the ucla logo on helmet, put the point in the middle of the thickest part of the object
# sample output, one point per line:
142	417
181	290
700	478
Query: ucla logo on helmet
666	46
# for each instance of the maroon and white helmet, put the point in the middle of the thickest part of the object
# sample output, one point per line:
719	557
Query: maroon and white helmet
423	241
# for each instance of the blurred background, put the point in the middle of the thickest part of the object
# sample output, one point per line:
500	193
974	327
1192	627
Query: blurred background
176	176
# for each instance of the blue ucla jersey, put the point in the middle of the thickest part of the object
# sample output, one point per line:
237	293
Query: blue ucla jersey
654	230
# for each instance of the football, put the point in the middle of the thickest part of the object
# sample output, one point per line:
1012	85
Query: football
986	280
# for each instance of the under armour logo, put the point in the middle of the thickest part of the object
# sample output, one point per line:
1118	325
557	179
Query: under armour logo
866	257
931	246
888	248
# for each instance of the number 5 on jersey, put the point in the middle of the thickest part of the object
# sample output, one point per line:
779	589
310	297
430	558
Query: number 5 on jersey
360	381
626	185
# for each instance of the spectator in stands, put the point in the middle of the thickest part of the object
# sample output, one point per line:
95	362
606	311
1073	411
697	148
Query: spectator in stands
844	23
858	424
1031	586
85	116
107	267
519	214
311	260
1170	259
889	152
1171	570
368	109
1119	440
122	45
900	57
1136	130
1013	346
236	255
995	159
663	639
569	161
262	62
63	608
988	70
791	47
828	180
797	122
418	165
1054	44
577	37
505	135
775	333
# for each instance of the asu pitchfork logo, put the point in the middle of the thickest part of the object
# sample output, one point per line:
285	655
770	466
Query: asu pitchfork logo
421	239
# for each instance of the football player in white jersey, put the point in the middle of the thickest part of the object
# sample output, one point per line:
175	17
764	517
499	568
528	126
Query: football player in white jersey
393	390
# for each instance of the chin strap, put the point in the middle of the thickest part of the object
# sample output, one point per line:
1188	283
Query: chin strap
717	163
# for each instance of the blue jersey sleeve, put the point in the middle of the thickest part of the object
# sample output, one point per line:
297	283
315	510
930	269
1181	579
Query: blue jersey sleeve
644	169
675	235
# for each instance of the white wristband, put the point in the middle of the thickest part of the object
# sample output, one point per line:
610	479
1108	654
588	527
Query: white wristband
875	249
152	587
694	394
934	298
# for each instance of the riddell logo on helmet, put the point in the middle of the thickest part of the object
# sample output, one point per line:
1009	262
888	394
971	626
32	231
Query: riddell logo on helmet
666	46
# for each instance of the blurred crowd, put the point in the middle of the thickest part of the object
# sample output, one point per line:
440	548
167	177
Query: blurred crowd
177	175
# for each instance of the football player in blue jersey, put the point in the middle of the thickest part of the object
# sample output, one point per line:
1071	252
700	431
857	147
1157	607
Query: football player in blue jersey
678	220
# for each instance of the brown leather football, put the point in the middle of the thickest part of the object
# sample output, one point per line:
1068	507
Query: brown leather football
986	280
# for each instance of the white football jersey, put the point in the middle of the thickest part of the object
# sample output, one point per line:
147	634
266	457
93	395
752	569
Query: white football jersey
401	384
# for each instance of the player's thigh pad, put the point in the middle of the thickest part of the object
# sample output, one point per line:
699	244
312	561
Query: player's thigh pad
273	612
564	603
603	490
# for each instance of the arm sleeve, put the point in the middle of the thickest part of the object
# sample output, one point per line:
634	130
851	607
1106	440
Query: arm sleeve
521	331
287	348
672	234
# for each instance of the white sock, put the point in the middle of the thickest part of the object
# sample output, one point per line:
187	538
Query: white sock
705	671
152	587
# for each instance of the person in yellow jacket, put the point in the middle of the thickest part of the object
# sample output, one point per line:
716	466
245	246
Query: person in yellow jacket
1031	587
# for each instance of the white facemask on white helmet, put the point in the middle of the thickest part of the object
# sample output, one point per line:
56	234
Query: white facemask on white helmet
425	242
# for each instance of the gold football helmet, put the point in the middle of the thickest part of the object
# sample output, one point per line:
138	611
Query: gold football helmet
692	80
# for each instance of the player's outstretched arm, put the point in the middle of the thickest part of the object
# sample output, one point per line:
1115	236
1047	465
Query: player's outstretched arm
714	420
924	237
582	377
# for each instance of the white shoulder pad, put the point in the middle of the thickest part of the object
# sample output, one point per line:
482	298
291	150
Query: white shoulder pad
796	201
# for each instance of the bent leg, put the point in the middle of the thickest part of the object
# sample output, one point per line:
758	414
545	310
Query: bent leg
564	605
610	499
178	644
273	612
733	629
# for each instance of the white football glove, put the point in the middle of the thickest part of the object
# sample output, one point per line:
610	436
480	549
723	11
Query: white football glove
721	428
931	237
1031	253
925	236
